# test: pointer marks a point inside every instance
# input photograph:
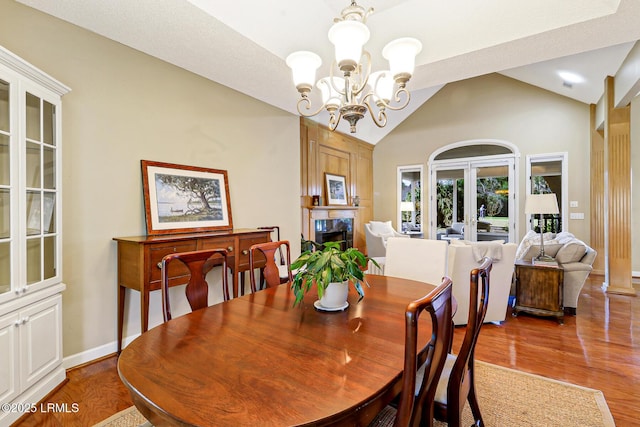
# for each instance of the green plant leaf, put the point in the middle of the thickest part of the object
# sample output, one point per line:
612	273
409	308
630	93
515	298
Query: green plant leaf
328	264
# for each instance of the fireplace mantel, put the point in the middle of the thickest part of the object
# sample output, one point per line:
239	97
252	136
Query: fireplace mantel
333	208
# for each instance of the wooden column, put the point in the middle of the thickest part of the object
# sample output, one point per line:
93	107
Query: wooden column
617	195
597	199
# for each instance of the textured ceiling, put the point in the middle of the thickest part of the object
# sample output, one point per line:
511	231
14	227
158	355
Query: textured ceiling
242	44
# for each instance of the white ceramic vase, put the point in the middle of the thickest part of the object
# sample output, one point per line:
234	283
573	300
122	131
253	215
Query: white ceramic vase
335	295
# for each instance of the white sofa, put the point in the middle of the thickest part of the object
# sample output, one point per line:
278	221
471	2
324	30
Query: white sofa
465	256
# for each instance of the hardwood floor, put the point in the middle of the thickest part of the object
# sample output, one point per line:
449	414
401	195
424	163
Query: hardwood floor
598	348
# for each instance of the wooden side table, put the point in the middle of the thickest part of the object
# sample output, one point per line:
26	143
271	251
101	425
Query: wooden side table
539	290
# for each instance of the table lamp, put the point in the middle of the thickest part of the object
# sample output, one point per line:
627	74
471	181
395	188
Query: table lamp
406	207
541	204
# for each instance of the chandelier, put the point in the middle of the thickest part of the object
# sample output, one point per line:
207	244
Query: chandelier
357	90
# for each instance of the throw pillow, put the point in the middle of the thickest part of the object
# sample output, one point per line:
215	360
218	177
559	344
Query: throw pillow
571	252
530	239
565	237
550	249
381	227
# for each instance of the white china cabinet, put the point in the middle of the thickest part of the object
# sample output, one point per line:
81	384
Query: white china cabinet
30	236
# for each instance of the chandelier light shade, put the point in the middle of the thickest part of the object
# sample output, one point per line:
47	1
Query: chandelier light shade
348	38
304	66
356	89
401	54
330	95
541	204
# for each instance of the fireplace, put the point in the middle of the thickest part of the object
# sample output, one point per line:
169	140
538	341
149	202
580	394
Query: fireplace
335	230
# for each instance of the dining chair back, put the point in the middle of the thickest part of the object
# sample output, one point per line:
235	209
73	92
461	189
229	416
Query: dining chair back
457	383
422	364
199	263
276	229
424	260
272	273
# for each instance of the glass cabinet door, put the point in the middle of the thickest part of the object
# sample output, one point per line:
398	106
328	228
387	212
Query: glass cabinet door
5	190
41	189
30	181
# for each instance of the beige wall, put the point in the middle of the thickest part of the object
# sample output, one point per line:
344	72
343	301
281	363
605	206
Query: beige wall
489	107
126	106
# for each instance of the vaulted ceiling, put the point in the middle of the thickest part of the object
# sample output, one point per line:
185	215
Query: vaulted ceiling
242	44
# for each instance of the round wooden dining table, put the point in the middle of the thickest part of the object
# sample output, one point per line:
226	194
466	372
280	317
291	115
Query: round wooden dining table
258	361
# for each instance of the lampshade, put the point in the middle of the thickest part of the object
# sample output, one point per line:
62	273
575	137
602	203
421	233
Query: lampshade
541	204
407	207
303	65
382	83
330	96
348	37
401	54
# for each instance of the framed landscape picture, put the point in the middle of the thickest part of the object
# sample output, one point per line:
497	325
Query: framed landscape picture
183	199
336	188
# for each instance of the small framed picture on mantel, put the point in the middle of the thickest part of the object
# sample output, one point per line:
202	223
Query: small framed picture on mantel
185	199
336	189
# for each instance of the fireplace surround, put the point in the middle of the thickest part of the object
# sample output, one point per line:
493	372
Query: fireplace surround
334	230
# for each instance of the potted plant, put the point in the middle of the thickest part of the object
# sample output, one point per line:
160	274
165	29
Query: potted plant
327	266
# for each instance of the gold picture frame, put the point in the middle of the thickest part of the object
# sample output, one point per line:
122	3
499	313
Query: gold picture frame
184	199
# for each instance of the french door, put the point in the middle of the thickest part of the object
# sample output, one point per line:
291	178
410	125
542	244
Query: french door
473	199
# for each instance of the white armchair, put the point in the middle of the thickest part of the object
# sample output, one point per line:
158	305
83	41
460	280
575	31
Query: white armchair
465	256
376	235
424	260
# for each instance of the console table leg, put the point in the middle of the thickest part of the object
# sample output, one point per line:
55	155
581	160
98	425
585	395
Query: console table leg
121	294
144	311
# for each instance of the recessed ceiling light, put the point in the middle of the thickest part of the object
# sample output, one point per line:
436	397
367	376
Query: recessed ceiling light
570	77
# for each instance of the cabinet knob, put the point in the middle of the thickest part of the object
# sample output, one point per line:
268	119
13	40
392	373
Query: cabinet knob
159	265
25	320
16	323
230	249
245	252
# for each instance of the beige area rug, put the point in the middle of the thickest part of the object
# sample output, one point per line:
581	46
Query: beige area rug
130	417
514	398
507	398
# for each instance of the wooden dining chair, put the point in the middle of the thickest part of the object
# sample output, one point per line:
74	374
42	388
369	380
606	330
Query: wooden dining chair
422	366
198	263
275	229
273	273
457	382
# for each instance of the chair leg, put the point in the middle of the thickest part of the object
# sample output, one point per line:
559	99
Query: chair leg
475	408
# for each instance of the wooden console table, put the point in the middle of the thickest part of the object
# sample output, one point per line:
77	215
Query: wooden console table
139	260
539	290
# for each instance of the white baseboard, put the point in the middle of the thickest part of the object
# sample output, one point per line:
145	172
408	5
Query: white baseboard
95	353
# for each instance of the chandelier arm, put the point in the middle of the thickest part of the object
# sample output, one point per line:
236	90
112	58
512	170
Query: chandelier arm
331	81
397	98
381	120
333	121
307	107
363	82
